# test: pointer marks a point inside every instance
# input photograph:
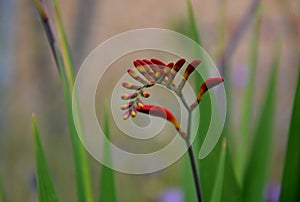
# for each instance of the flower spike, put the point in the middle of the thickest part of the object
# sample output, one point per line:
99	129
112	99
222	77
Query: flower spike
136	77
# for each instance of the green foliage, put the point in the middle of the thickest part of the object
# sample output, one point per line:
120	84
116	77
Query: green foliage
246	112
193	26
46	189
291	177
107	180
218	184
257	170
63	61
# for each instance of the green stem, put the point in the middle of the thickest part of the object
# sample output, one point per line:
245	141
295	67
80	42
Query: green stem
192	159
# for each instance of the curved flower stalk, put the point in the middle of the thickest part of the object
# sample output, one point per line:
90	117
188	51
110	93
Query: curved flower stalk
152	72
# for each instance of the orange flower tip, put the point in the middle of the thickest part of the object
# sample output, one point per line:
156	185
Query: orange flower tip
150	83
136	63
145	94
158	62
212	82
170	65
133	112
179	64
126	115
140	104
130	71
195	63
141	62
125	97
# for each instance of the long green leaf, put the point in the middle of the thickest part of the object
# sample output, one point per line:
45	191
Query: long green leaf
193	27
63	62
218	185
291	176
65	50
45	185
107	179
242	150
84	190
258	164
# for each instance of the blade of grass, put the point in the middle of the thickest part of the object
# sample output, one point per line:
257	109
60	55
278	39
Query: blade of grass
218	185
65	50
193	27
246	114
107	179
46	189
84	191
291	177
257	169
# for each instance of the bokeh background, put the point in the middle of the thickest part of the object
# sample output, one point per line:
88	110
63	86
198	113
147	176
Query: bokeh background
29	81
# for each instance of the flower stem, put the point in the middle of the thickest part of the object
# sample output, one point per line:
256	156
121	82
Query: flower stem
195	172
192	159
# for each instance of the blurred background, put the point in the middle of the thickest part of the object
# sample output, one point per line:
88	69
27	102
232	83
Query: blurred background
29	81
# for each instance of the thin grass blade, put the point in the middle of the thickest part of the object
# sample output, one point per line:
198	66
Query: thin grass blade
64	45
46	189
80	158
291	177
257	169
218	185
193	26
107	178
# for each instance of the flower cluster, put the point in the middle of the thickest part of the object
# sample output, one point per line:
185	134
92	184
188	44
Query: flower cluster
155	71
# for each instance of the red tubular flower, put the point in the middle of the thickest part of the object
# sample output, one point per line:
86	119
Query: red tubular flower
130	86
159	111
190	68
209	83
179	64
136	77
158	62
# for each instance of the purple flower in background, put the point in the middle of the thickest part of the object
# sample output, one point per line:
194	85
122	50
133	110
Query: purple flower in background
272	192
172	194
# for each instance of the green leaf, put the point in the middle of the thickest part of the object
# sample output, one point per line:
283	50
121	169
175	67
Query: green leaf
218	185
84	190
258	164
291	177
246	112
107	179
65	50
46	189
193	27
